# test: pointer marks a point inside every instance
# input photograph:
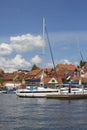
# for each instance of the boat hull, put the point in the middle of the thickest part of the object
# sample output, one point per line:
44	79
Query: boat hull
36	93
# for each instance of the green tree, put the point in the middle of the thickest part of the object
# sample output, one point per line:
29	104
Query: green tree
34	67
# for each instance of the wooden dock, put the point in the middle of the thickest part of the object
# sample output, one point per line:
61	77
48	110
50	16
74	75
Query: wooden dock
67	96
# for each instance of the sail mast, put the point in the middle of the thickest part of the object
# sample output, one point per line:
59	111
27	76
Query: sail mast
42	77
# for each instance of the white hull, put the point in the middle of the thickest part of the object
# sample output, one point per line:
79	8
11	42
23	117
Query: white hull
39	92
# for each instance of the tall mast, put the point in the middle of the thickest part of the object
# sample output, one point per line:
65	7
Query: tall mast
43	47
42	78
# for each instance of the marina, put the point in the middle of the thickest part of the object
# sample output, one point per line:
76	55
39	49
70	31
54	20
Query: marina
43	65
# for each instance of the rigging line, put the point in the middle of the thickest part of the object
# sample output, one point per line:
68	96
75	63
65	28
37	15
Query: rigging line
50	49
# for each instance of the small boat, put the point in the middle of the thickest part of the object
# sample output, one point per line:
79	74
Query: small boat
35	92
3	91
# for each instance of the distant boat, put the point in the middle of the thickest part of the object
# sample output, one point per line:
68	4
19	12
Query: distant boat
2	90
38	91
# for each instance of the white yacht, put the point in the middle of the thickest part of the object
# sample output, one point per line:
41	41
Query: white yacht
35	92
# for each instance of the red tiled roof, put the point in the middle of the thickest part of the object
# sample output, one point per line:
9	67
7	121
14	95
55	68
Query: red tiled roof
66	66
34	72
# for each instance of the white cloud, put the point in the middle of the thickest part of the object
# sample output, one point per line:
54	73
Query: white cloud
36	60
18	62
5	49
64	61
21	44
49	65
26	42
13	61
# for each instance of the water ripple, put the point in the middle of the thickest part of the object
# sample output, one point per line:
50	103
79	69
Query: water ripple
41	114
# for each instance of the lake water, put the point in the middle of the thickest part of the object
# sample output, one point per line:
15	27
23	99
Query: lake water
41	114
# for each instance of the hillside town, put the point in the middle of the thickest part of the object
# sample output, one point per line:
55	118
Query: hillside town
61	75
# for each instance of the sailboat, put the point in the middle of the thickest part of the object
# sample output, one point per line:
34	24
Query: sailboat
37	91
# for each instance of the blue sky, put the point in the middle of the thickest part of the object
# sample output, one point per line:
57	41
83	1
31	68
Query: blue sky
21	32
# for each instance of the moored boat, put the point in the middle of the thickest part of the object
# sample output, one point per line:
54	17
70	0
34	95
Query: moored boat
35	92
3	91
40	90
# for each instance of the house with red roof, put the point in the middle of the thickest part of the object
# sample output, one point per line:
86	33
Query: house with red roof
34	78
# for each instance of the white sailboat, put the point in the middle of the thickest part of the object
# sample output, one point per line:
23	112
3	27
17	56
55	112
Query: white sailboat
35	92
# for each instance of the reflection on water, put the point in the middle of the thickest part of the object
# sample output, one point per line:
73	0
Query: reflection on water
41	114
